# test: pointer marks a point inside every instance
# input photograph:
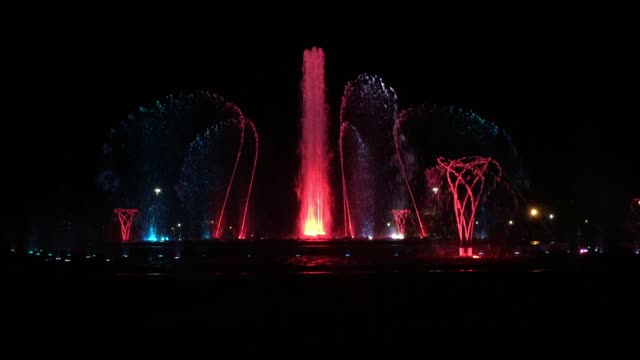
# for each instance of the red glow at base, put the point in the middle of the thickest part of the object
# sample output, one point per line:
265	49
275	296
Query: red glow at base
126	219
312	187
466	177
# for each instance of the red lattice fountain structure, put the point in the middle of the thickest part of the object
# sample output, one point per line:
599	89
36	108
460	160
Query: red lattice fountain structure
126	219
466	177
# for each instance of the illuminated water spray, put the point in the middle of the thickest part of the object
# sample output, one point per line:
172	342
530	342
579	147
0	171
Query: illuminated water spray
312	187
244	123
126	219
367	113
396	139
400	216
466	178
348	227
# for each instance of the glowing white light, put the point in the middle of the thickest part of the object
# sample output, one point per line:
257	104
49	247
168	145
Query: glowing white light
388	224
177	257
179	225
157	190
551	216
586	221
397	236
435	190
477	223
370	237
510	222
67	260
534	212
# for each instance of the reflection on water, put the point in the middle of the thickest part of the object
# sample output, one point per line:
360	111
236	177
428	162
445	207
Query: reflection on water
299	257
310	261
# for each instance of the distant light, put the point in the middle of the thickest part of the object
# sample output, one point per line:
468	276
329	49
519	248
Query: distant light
30	252
347	254
586	221
50	254
125	256
551	216
58	258
477	223
535	242
160	255
297	255
583	251
13	250
510	222
177	257
370	237
179	225
157	190
248	255
230	227
546	252
388	224
107	260
534	212
67	260
517	252
435	190
88	257
397	236
396	254
476	256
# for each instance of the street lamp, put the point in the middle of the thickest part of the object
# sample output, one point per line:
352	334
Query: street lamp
533	212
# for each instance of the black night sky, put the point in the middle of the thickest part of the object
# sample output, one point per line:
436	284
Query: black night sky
557	86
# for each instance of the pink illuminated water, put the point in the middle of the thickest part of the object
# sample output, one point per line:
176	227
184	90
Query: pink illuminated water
314	192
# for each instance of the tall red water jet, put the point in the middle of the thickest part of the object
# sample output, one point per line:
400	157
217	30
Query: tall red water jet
314	193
